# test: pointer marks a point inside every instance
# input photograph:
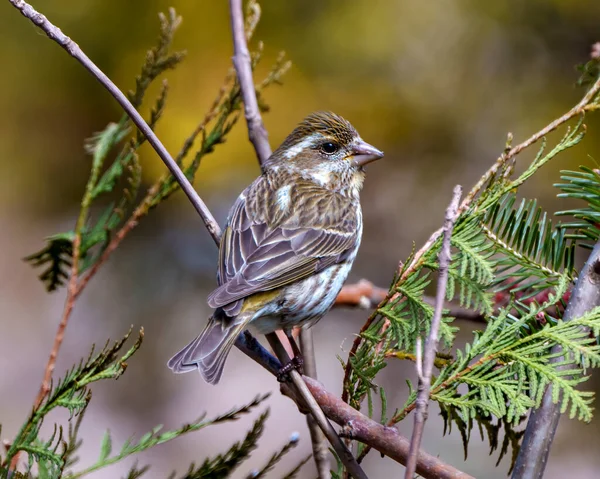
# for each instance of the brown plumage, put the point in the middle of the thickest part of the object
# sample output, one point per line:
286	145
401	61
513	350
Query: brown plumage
290	240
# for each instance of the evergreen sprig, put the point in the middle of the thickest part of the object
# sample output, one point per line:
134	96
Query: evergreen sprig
155	438
72	393
514	266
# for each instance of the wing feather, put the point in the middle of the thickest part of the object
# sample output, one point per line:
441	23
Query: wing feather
262	249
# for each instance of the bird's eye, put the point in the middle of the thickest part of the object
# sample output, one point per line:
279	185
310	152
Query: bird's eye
329	147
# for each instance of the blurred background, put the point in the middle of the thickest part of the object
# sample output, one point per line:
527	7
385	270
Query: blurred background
436	85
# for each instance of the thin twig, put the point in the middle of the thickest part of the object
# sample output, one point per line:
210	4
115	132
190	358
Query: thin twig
71	287
241	61
425	369
300	387
386	440
543	421
60	332
319	443
259	138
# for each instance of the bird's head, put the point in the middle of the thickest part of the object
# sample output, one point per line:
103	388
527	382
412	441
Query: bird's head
326	148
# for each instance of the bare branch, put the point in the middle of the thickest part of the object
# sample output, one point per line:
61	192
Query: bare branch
259	138
424	370
315	410
319	444
542	423
385	439
241	60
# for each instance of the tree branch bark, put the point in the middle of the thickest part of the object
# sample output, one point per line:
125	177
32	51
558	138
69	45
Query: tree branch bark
543	422
241	61
259	138
425	368
359	427
319	444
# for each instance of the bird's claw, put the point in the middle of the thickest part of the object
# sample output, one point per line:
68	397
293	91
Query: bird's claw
297	363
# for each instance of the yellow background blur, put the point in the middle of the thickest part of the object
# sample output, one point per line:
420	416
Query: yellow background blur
435	84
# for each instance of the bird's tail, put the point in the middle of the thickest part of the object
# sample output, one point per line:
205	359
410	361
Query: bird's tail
209	350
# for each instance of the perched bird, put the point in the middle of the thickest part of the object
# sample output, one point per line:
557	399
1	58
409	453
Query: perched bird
290	241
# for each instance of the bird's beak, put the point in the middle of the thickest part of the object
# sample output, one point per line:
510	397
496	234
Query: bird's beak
363	153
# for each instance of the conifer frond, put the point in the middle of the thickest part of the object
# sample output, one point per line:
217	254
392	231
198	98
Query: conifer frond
507	367
72	393
155	437
489	428
159	58
532	252
221	466
582	185
275	458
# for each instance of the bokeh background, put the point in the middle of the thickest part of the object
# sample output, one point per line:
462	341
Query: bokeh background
436	85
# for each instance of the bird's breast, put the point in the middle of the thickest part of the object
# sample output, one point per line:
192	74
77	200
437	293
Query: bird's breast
303	302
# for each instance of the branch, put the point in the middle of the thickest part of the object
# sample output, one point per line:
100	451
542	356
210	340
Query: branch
259	138
425	368
312	405
319	445
543	421
241	61
385	439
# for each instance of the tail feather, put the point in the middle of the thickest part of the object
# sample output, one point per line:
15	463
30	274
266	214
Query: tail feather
208	351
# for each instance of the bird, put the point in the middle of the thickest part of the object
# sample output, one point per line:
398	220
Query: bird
289	243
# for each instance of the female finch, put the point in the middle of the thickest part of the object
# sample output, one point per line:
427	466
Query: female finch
290	241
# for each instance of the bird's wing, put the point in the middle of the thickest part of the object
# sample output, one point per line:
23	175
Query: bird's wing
262	249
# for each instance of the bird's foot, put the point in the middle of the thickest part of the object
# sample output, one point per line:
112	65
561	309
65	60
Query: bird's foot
297	363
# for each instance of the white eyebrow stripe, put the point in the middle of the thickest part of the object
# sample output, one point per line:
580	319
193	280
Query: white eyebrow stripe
301	145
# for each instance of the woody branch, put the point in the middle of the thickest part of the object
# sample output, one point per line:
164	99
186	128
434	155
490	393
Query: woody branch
425	367
318	426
